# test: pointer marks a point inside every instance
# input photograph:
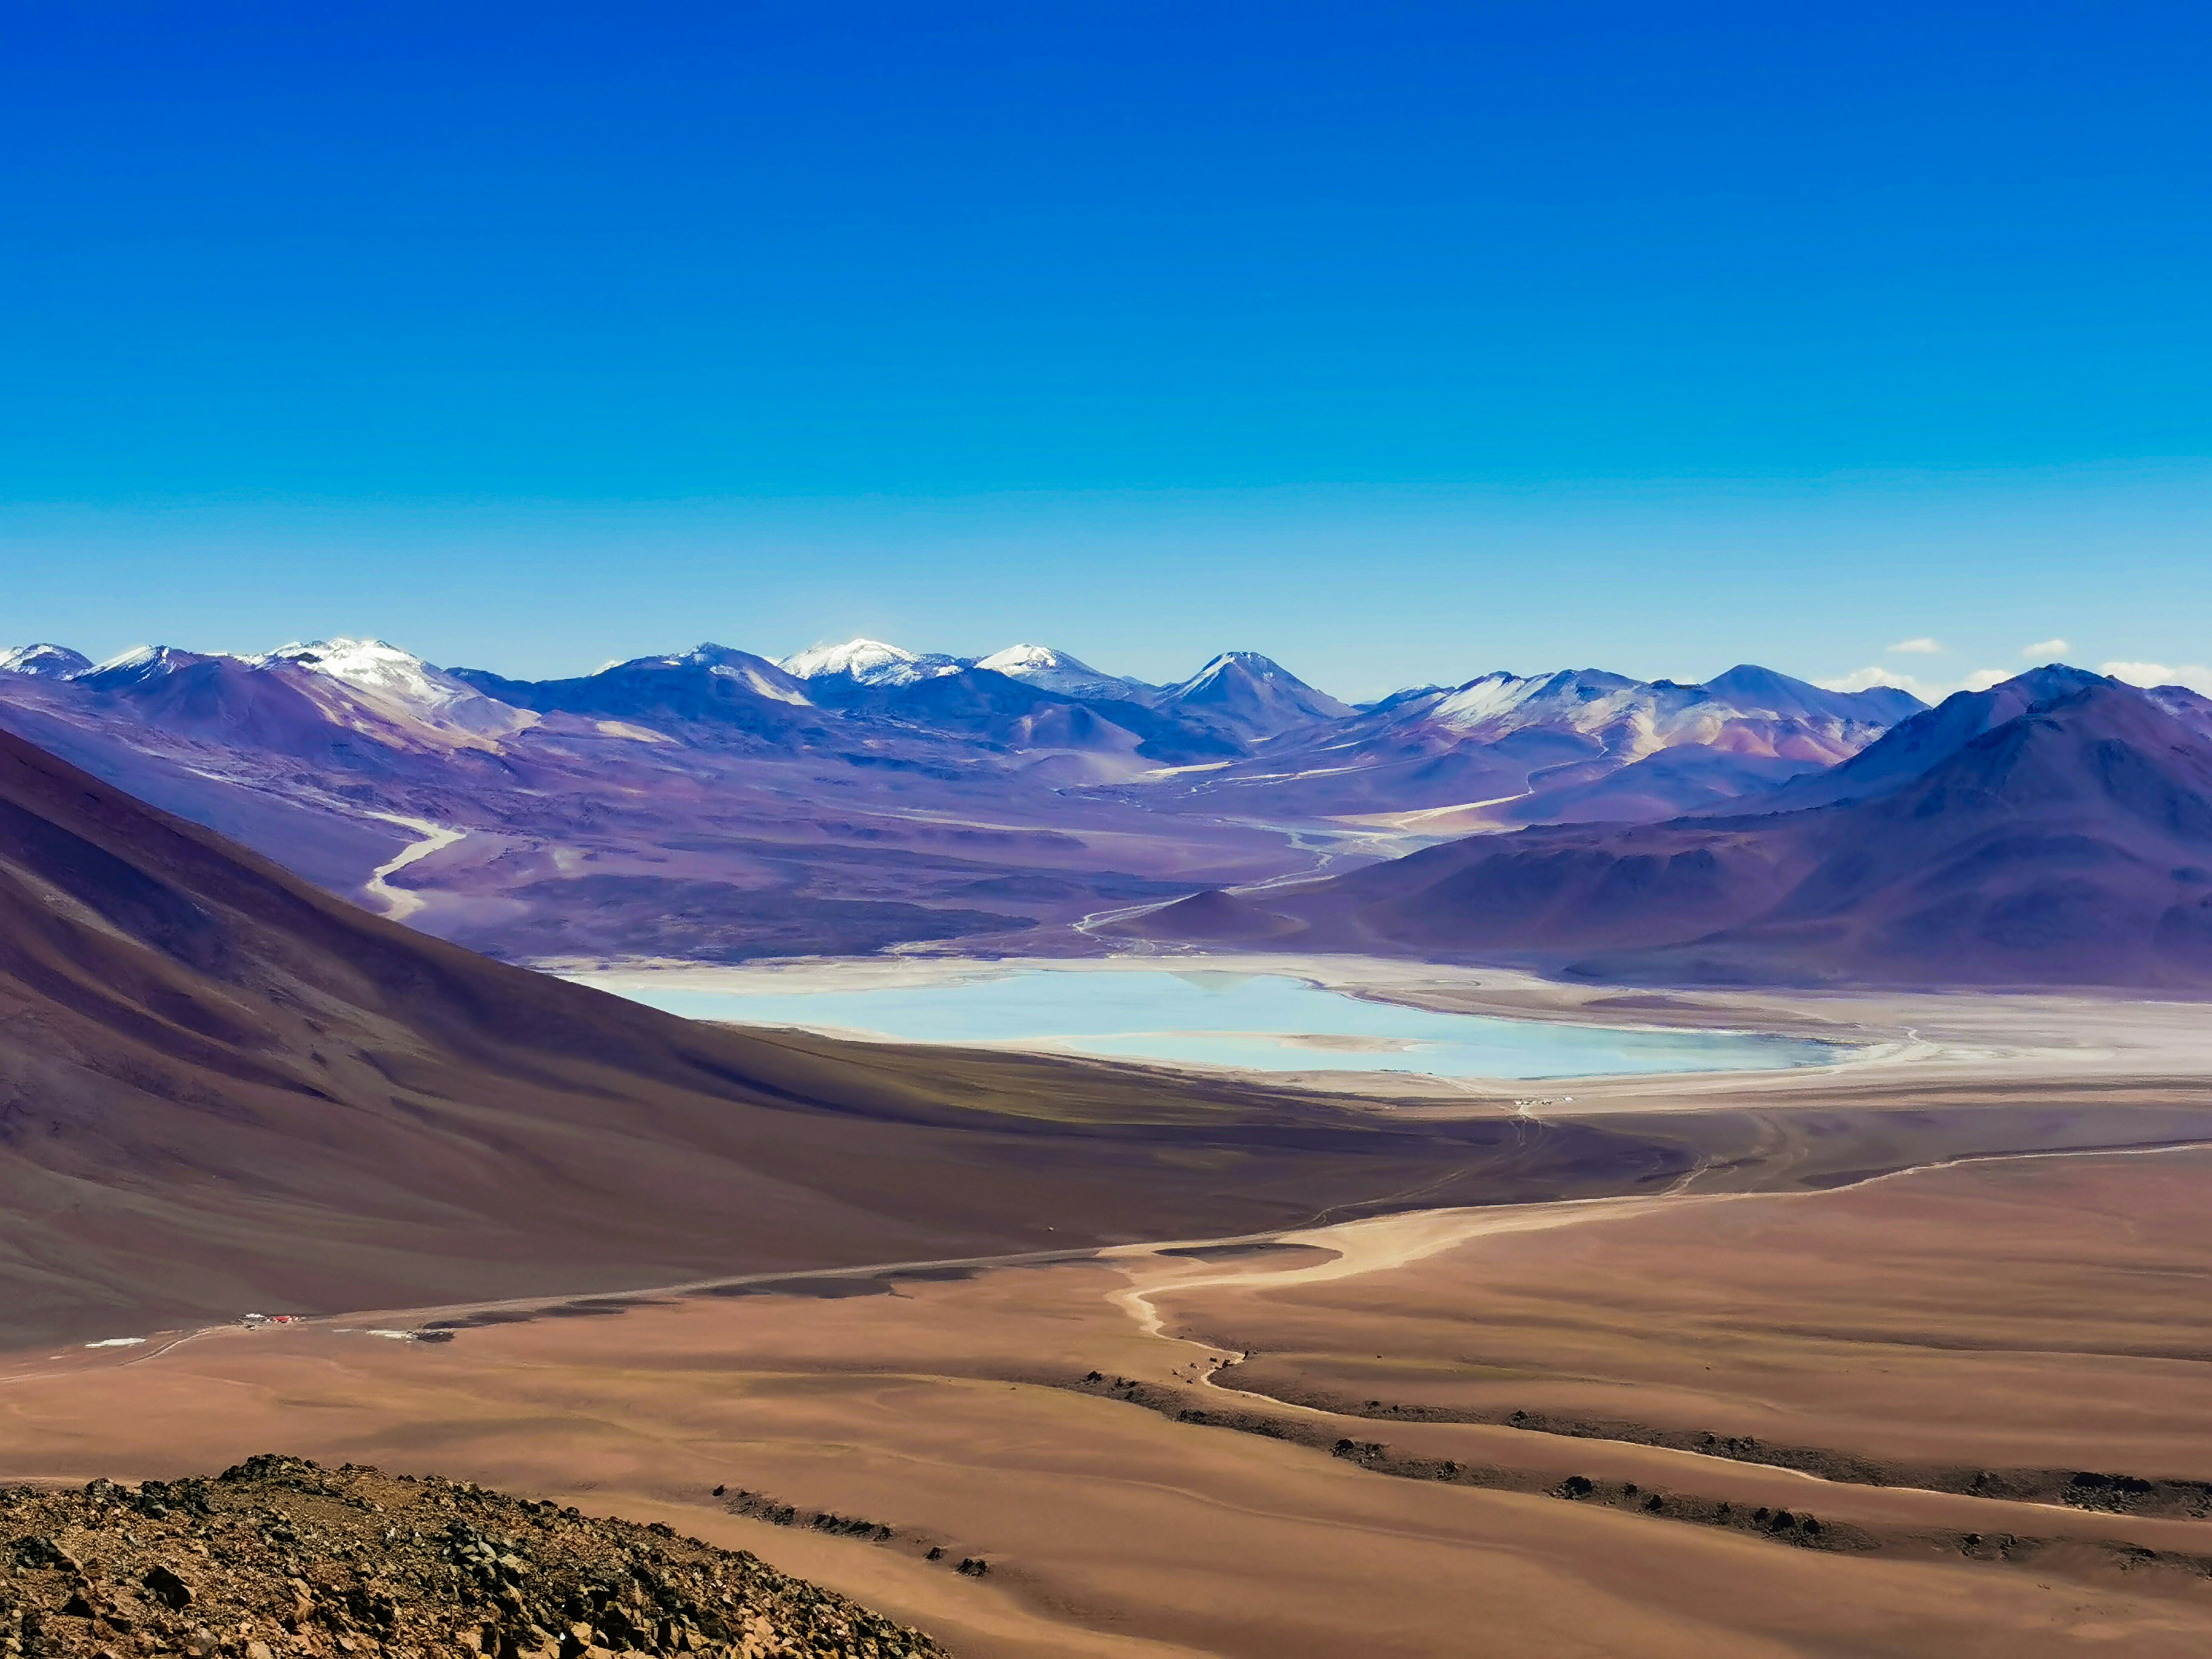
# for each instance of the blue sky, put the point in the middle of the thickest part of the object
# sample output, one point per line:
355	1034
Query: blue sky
1398	342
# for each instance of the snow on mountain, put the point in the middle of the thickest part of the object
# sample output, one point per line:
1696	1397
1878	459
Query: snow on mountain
1253	695
1503	741
869	662
755	674
1578	699
291	696
1056	670
143	664
1751	689
1509	748
2053	830
1747	710
2192	708
364	683
46	662
710	694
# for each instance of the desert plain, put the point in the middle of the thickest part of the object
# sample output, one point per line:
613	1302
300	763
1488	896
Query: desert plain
1915	1357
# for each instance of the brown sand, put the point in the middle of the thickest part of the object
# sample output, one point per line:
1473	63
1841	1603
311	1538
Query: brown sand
2034	1311
2018	1313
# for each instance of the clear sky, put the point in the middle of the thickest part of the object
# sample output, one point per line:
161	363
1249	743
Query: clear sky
1400	343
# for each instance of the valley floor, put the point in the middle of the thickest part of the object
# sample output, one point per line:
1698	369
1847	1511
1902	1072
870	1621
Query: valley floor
1955	1411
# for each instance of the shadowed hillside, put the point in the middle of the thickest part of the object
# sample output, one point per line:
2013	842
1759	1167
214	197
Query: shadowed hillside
222	1090
2056	830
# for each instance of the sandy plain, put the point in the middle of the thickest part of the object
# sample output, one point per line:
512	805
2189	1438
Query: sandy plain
2005	1318
1906	1360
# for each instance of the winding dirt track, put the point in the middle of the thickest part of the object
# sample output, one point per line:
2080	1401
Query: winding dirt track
400	904
950	1406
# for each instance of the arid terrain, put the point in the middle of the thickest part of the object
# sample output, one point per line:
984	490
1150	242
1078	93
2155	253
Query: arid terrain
276	1552
1102	832
1901	1353
1952	1411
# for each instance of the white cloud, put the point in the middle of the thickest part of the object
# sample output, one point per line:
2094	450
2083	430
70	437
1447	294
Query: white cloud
1929	691
2195	676
1923	647
1865	679
2046	650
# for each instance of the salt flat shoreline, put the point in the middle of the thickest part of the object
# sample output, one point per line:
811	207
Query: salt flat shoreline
2007	1040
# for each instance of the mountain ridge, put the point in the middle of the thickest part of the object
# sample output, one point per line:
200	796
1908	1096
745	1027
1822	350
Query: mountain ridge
2057	831
707	803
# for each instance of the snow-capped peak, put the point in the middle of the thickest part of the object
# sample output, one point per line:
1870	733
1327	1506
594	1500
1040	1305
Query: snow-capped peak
1255	695
1029	659
1244	667
46	662
857	657
400	686
1251	661
705	654
141	665
1056	670
756	674
372	666
1747	709
871	662
1580	699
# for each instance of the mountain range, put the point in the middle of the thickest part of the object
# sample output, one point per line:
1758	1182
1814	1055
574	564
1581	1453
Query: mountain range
222	1089
2056	829
713	802
715	805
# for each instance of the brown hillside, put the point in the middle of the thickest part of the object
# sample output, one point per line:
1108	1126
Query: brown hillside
221	1090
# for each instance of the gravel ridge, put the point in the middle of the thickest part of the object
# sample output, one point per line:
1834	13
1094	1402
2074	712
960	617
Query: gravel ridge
279	1558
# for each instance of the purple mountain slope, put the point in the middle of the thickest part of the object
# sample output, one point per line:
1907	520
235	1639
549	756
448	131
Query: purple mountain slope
697	804
1505	750
1753	689
1928	737
712	803
2067	842
710	693
1244	695
2192	708
55	662
1016	715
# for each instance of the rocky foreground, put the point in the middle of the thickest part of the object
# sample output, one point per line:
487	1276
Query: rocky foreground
279	1557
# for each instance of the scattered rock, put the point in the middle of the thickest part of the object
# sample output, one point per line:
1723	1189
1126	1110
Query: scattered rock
287	1558
166	1588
